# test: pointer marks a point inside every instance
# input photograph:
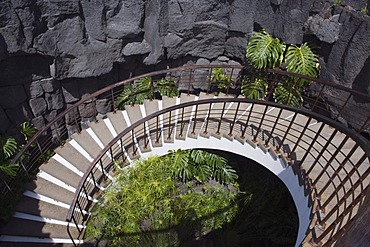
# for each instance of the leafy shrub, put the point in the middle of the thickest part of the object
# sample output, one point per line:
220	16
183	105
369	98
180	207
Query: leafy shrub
148	205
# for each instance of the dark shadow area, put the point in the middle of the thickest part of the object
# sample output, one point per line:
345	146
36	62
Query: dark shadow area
362	82
268	219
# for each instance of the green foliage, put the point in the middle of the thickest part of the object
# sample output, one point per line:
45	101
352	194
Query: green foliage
301	60
264	51
222	81
136	93
200	165
288	94
364	10
148	206
167	87
254	89
27	130
337	2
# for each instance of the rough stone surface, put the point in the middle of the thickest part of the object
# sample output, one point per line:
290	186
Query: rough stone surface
38	106
4	121
63	50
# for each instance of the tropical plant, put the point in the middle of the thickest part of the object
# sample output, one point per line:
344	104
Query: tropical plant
222	81
167	87
9	147
201	165
264	51
147	205
136	93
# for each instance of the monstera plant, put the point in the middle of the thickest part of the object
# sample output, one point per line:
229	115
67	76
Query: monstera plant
264	51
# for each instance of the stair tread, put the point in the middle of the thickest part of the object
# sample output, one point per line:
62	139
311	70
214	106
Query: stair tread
118	121
37	207
102	132
69	153
46	188
24	227
134	113
61	172
87	143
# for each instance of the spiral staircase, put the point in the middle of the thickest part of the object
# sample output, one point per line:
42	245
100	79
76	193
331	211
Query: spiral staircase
324	164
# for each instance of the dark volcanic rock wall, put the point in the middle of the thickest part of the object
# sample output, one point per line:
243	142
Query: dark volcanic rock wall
53	52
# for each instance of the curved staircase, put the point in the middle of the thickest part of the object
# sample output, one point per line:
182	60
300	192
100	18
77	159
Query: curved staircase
330	163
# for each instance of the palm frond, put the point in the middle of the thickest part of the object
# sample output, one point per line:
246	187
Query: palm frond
254	89
202	173
301	60
288	93
125	97
264	51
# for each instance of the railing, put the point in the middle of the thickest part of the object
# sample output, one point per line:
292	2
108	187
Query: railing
325	98
250	124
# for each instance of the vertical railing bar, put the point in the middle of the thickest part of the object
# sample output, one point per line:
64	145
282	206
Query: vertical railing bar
182	124
122	150
260	125
221	118
274	126
70	235
209	114
169	127
343	107
338	149
195	119
133	142
247	122
300	136
348	156
233	123
341	185
317	97
312	143
145	137
286	132
157	130
318	157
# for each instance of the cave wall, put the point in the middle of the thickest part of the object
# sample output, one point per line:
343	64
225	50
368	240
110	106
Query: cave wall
53	52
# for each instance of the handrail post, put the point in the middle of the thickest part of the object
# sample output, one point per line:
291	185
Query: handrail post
207	121
221	118
247	122
274	126
157	130
260	125
233	123
286	132
195	119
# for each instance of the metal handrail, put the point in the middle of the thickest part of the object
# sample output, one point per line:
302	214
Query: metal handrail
42	140
361	142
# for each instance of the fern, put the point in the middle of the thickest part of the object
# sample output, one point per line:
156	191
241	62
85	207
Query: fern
254	89
264	51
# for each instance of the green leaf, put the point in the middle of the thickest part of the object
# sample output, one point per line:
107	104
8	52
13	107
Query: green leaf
28	130
9	170
9	147
264	51
181	166
254	89
167	87
301	60
288	93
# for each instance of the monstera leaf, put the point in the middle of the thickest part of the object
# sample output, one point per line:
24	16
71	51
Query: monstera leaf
288	94
301	60
264	51
254	88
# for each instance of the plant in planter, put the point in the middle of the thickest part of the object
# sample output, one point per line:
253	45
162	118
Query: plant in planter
265	51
